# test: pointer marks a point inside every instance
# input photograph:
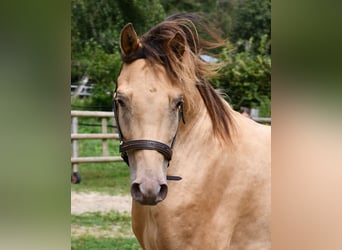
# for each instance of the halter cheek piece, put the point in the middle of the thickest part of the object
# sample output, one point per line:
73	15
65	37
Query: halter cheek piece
162	148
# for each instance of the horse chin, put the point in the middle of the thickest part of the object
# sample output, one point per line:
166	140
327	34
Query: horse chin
148	202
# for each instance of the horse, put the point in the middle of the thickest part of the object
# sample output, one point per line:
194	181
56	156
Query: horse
199	171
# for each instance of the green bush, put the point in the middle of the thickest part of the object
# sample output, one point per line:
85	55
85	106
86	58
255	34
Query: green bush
251	19
246	76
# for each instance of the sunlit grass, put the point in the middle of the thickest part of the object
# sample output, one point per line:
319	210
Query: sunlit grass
105	221
102	231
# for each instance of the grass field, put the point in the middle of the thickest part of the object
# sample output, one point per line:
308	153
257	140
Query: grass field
109	178
93	243
110	230
102	231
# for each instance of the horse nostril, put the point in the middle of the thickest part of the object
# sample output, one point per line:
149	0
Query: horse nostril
162	193
136	192
148	194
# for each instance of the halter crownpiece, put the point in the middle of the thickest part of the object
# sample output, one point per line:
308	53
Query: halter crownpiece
162	148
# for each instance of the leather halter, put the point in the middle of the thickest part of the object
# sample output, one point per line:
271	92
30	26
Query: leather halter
162	148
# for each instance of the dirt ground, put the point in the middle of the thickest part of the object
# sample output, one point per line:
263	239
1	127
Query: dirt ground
95	202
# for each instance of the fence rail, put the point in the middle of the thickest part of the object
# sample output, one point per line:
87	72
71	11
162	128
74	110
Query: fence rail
94	136
95	159
81	113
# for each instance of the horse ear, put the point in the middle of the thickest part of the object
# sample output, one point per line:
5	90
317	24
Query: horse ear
129	41
177	45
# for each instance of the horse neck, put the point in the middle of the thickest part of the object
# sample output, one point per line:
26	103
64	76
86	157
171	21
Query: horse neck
194	149
198	125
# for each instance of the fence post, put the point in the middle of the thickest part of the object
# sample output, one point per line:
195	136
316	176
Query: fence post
75	177
74	130
104	141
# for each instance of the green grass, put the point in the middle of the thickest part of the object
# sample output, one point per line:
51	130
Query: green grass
110	178
93	147
104	220
104	243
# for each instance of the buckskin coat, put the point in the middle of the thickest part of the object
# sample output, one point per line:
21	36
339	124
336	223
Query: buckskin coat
223	158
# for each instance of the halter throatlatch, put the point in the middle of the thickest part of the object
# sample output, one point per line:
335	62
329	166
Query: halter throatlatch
162	148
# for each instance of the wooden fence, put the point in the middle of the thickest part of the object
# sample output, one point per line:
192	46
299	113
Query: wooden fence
104	136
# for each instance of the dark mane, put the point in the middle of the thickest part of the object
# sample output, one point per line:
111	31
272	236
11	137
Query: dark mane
190	69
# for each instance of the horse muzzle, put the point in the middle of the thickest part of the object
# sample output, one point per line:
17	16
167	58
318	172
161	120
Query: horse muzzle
149	192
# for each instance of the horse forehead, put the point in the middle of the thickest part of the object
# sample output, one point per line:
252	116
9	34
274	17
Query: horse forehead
142	72
138	66
141	78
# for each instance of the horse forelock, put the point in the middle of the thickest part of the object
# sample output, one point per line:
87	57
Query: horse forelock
188	71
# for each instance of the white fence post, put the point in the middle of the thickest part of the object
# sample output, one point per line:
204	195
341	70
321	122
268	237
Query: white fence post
74	130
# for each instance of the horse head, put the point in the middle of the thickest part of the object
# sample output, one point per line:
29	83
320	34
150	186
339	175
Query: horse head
148	110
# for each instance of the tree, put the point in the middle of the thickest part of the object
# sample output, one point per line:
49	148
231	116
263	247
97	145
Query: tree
252	18
144	14
218	12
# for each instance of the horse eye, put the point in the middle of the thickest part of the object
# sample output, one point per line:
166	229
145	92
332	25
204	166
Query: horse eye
179	102
120	102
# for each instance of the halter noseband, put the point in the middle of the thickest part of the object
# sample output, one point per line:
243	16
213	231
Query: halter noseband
162	148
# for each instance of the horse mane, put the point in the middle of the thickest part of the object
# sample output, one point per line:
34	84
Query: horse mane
188	69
